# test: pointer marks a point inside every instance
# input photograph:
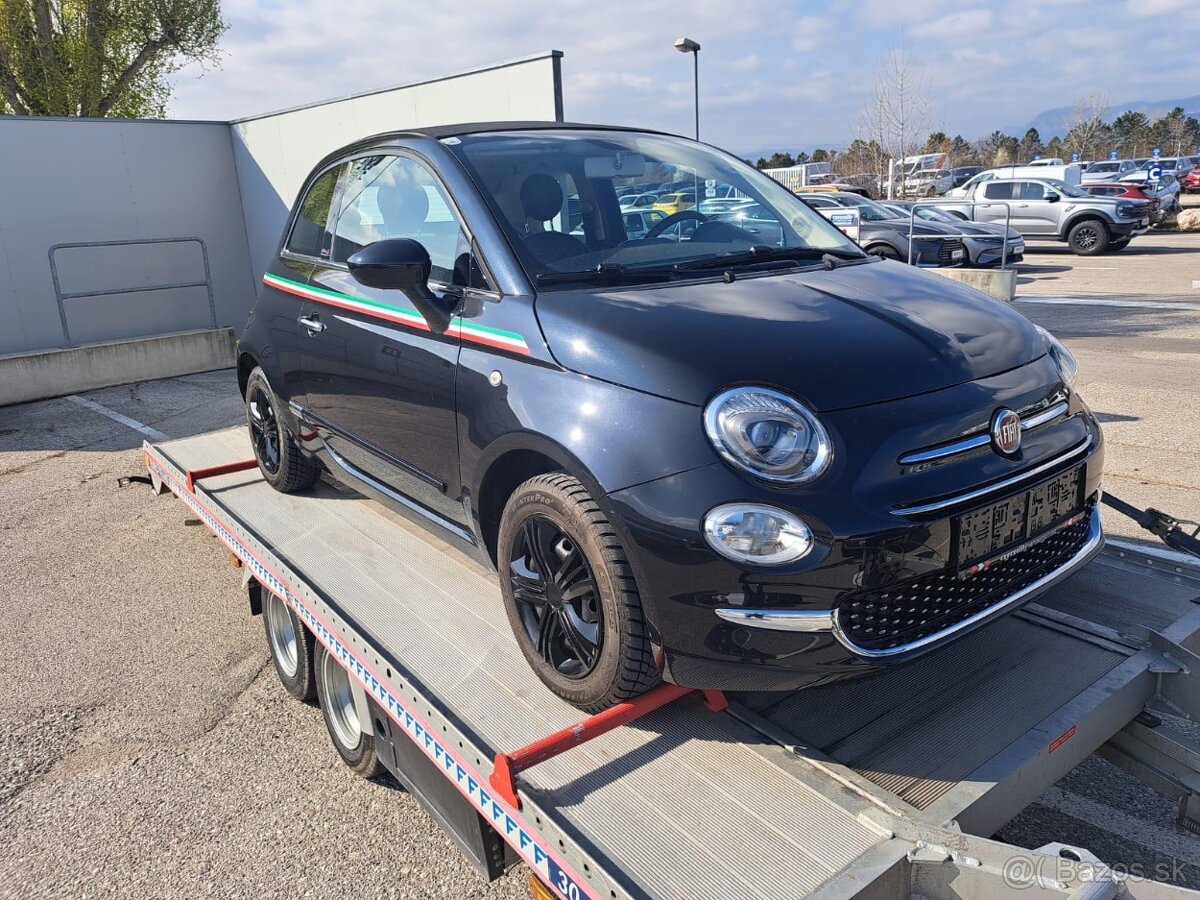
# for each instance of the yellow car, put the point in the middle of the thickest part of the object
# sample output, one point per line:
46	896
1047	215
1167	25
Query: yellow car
673	203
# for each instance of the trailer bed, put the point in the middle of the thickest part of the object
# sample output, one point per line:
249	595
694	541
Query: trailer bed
782	794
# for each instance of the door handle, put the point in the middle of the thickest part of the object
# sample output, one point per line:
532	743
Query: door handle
313	323
1022	206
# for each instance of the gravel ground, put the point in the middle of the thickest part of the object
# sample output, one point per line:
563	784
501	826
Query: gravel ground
147	750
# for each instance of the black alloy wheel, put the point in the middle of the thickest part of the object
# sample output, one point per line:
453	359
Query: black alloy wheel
557	598
264	428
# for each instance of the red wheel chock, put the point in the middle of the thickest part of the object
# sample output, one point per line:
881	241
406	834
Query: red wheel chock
194	475
507	765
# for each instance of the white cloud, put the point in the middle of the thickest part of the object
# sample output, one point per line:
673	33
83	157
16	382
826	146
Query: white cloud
786	73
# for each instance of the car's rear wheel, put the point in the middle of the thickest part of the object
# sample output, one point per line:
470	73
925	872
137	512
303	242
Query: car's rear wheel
282	464
570	595
1089	237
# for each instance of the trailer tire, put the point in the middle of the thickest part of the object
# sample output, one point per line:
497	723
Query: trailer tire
1088	237
580	625
335	691
280	461
291	647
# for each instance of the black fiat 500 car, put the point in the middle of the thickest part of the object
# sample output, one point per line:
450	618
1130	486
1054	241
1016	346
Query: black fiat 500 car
689	454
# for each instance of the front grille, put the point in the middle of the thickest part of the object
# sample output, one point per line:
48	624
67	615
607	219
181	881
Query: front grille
890	619
947	248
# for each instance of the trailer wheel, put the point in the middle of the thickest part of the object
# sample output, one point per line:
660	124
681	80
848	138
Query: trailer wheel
291	646
282	464
571	597
338	705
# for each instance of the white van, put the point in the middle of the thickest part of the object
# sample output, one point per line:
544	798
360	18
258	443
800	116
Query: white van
1071	173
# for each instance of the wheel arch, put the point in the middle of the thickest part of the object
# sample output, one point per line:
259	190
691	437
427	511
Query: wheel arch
246	363
511	461
1083	216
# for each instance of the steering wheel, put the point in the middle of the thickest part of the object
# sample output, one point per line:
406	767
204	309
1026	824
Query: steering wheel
670	220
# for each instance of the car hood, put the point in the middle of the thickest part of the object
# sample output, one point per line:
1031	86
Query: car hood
838	338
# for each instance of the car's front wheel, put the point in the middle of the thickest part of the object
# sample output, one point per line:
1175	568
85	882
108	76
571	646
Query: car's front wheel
282	464
570	595
1088	237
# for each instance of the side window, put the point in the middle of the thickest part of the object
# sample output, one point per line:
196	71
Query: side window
397	197
1001	191
1031	190
309	236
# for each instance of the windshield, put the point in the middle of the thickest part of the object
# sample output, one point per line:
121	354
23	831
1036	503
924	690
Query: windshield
530	179
1068	190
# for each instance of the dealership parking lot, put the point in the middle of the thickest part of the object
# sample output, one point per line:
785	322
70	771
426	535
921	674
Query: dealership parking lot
148	750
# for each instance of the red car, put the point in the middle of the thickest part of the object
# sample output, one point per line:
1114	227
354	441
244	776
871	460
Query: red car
1127	191
1190	183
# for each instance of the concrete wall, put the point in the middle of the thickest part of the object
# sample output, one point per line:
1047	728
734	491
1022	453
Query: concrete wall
110	182
275	152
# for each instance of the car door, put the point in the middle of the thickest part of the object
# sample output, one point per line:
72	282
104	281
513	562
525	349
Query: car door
993	200
379	385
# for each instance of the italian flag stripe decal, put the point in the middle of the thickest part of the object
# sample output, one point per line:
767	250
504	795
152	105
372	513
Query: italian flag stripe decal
401	315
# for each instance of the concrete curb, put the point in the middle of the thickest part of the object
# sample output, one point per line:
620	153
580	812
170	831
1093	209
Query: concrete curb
998	283
53	373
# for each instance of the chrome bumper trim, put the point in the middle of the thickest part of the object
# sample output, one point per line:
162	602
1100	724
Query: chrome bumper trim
824	620
981	440
1091	546
1078	450
779	619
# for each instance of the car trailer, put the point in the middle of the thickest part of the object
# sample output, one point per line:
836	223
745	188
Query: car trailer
873	788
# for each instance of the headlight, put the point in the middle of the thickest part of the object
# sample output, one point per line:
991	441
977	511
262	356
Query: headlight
757	534
768	434
1063	358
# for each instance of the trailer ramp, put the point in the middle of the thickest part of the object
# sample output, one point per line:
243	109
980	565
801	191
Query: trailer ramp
824	792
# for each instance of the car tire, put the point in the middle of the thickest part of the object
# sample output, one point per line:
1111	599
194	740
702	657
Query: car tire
354	745
571	597
280	461
1118	244
291	647
884	251
1088	238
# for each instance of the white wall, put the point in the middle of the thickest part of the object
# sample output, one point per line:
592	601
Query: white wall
275	152
122	183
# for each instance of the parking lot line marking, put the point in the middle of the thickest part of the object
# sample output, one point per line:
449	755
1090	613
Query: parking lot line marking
137	426
1097	301
1120	824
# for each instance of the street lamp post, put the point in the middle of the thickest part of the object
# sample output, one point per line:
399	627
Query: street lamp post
687	45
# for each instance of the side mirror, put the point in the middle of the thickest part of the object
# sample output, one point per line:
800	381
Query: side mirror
402	264
1053	198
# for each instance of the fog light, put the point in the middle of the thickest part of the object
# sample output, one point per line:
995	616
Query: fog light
756	534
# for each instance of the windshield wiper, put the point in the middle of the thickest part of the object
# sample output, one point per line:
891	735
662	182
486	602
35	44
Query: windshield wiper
762	254
607	273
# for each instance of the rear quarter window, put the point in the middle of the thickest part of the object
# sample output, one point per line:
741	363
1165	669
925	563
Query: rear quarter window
309	235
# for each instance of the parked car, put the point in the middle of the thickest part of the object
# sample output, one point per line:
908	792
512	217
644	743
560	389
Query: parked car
928	183
1166	189
638	201
708	461
1191	181
881	232
1049	209
960	174
984	241
639	222
675	202
1107	170
1126	190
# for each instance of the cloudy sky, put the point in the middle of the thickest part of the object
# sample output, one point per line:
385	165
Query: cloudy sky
788	75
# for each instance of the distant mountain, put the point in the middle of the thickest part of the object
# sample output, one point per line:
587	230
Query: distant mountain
1054	121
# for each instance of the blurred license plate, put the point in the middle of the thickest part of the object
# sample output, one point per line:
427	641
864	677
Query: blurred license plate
956	254
985	534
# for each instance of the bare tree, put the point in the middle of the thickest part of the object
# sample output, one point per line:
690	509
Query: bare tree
896	117
1085	124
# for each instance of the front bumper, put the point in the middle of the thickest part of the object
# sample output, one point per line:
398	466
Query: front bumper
719	625
1130	228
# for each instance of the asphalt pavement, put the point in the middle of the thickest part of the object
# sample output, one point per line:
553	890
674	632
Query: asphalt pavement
147	750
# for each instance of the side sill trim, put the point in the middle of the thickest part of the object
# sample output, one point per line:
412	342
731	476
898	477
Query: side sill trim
1078	450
